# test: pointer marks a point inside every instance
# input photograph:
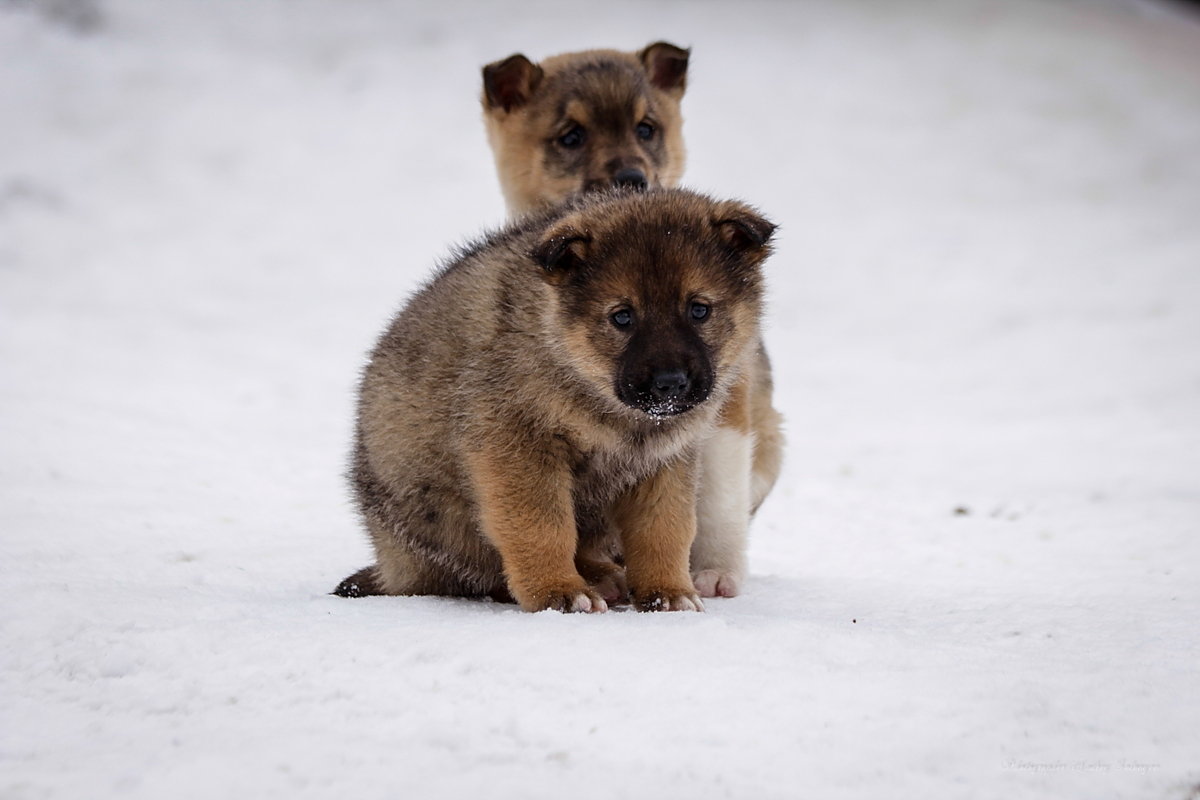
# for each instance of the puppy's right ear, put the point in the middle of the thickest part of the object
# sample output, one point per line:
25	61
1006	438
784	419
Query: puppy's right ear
509	84
561	251
667	66
743	230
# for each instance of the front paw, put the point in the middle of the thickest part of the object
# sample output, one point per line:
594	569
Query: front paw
574	598
668	600
716	583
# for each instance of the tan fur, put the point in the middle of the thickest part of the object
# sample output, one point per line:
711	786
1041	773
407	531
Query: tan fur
501	447
657	520
529	518
527	107
737	413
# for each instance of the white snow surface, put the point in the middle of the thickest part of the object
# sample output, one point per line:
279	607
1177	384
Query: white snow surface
986	297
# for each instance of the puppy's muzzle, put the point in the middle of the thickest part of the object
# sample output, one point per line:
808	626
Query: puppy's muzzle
665	392
632	178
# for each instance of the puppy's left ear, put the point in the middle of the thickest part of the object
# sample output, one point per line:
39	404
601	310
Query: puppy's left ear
743	229
562	250
510	83
667	66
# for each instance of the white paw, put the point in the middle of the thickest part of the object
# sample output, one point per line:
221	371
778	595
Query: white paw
716	583
686	603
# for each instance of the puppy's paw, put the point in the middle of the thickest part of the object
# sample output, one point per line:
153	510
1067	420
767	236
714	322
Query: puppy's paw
716	583
668	600
569	600
581	602
612	588
606	579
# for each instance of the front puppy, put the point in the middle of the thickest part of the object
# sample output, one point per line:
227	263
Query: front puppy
578	122
544	397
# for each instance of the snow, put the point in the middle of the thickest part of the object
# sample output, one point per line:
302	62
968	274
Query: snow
975	578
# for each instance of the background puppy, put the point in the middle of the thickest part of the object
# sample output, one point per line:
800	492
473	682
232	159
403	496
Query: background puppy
583	121
547	392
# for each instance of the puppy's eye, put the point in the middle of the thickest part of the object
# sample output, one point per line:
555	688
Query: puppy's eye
645	131
622	318
572	138
699	311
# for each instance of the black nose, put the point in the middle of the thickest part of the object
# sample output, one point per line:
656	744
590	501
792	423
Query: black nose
669	384
630	177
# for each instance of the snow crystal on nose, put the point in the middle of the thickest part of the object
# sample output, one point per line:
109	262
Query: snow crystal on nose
665	408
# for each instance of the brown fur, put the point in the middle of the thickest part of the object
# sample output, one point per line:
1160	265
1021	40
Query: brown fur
604	95
505	439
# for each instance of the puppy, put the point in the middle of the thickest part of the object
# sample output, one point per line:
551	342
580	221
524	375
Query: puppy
584	121
546	394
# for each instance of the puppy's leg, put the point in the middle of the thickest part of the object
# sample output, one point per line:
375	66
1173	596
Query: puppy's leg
604	575
598	543
657	520
718	560
526	512
767	424
723	510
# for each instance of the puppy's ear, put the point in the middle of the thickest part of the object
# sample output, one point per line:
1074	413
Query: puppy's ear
562	250
743	229
667	66
509	84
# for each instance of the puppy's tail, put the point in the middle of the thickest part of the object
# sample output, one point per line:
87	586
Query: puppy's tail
363	583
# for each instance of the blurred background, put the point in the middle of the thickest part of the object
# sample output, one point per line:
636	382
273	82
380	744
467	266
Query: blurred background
984	319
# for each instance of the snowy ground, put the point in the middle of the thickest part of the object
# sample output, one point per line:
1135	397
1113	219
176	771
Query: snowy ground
986	297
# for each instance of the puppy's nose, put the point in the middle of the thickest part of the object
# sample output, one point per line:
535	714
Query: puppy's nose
630	177
669	384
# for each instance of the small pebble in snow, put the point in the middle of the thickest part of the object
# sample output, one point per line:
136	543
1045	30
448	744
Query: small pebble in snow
962	511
